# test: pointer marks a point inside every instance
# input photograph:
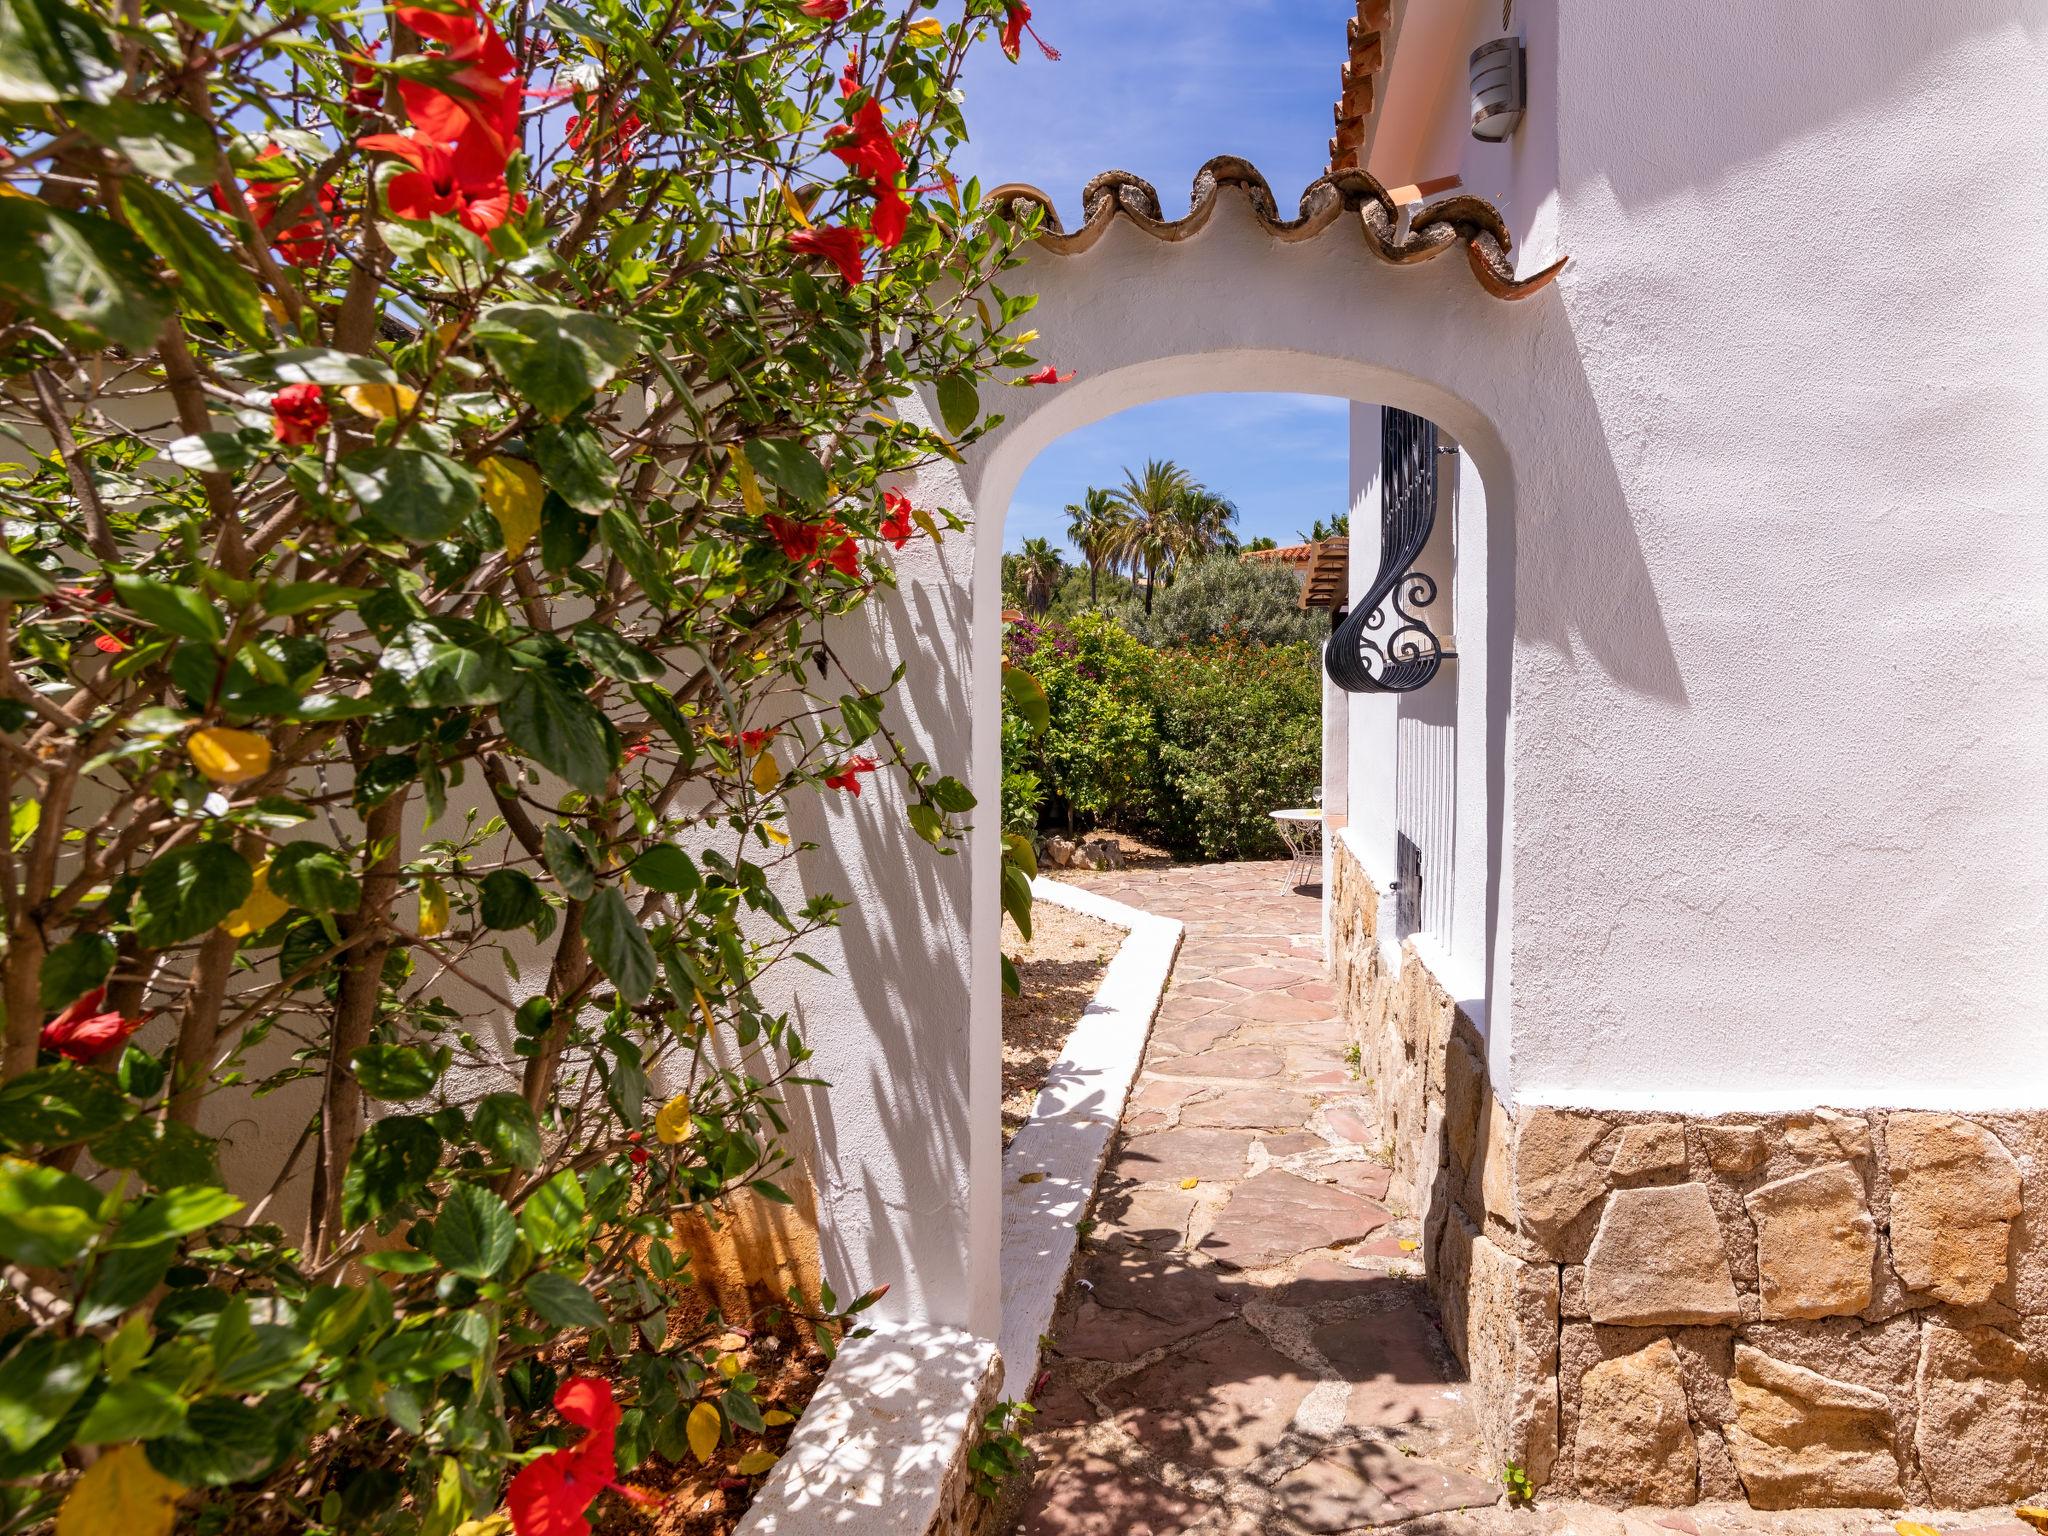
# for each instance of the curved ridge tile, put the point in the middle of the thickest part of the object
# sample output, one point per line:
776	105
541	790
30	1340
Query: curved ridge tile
1458	220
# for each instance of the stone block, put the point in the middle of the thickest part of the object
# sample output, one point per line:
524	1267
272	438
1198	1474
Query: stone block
1635	1440
1652	1150
1657	1259
1511	1329
1825	1136
1466	1096
1557	1176
1733	1150
1801	1439
1816	1243
1982	1417
1955	1191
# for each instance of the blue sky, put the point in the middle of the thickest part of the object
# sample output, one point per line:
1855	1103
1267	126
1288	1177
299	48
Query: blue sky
1157	87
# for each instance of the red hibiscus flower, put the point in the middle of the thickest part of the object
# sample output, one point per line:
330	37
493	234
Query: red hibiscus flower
847	775
799	541
467	180
897	525
489	89
839	244
113	645
637	749
751	742
365	90
624	137
304	244
297	413
1047	375
824	10
83	1033
635	1151
867	145
1015	24
551	1492
840	552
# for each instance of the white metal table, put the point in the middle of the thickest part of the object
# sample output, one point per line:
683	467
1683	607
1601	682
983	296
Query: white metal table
1302	831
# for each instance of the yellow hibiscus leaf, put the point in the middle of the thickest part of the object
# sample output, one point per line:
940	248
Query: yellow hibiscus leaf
380	402
754	1463
1408	1245
1913	1528
260	909
120	1492
794	204
704	1013
927	30
750	488
1189	1183
433	909
513	492
728	1366
228	756
776	836
767	773
702	1428
672	1124
776	1416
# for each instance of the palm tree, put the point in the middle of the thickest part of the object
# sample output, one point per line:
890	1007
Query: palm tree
1038	574
1338	527
1094	525
1209	519
1154	506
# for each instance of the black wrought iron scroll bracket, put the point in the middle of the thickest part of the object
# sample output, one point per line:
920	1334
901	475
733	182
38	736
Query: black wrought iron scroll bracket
1385	644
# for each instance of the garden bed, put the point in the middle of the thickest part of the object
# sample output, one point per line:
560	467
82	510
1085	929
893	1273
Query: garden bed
1060	968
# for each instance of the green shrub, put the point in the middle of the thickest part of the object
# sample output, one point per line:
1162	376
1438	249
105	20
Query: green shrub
1225	598
1097	762
1241	735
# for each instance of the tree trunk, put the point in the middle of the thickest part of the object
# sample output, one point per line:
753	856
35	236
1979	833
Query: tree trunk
355	1015
1092	570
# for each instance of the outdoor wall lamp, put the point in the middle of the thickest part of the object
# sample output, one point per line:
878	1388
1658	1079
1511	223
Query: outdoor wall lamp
1500	88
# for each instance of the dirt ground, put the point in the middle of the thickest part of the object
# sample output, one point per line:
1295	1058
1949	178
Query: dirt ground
1060	969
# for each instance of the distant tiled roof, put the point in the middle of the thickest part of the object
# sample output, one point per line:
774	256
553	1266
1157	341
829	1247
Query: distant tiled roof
1327	582
1437	227
1285	554
1358	82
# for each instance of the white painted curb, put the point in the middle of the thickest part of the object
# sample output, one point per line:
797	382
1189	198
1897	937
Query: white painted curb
1067	1137
875	1450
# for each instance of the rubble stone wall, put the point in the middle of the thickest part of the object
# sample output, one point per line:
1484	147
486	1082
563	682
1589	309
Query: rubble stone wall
1814	1309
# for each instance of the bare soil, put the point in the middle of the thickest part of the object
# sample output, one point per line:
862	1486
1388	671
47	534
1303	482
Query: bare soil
1060	969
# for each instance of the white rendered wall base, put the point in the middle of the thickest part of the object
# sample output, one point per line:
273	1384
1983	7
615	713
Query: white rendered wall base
1067	1137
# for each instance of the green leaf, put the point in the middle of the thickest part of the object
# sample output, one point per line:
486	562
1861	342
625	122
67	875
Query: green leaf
565	534
223	1441
439	673
419	495
951	796
73	969
552	1217
392	1163
959	403
561	730
173	1213
473	1232
209	282
614	655
57	1105
573	462
1026	694
618	945
49	52
314	878
509	899
862	716
563	1302
79	270
556	357
787	464
288	598
159	140
123	1280
400	1073
47	1216
314	365
569	862
180	611
249	1356
40	1381
189	890
665	867
504	1126
139	1408
211	452
17	581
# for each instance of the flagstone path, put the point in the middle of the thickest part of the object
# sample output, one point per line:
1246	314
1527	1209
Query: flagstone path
1247	1348
1247	1345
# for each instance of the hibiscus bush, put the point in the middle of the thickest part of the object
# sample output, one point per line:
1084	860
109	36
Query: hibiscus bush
443	440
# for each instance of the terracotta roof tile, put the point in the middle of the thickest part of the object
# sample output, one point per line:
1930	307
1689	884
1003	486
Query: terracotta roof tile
1358	82
1437	227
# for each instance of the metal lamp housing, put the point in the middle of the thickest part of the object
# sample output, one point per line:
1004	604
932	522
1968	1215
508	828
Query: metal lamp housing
1499	89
